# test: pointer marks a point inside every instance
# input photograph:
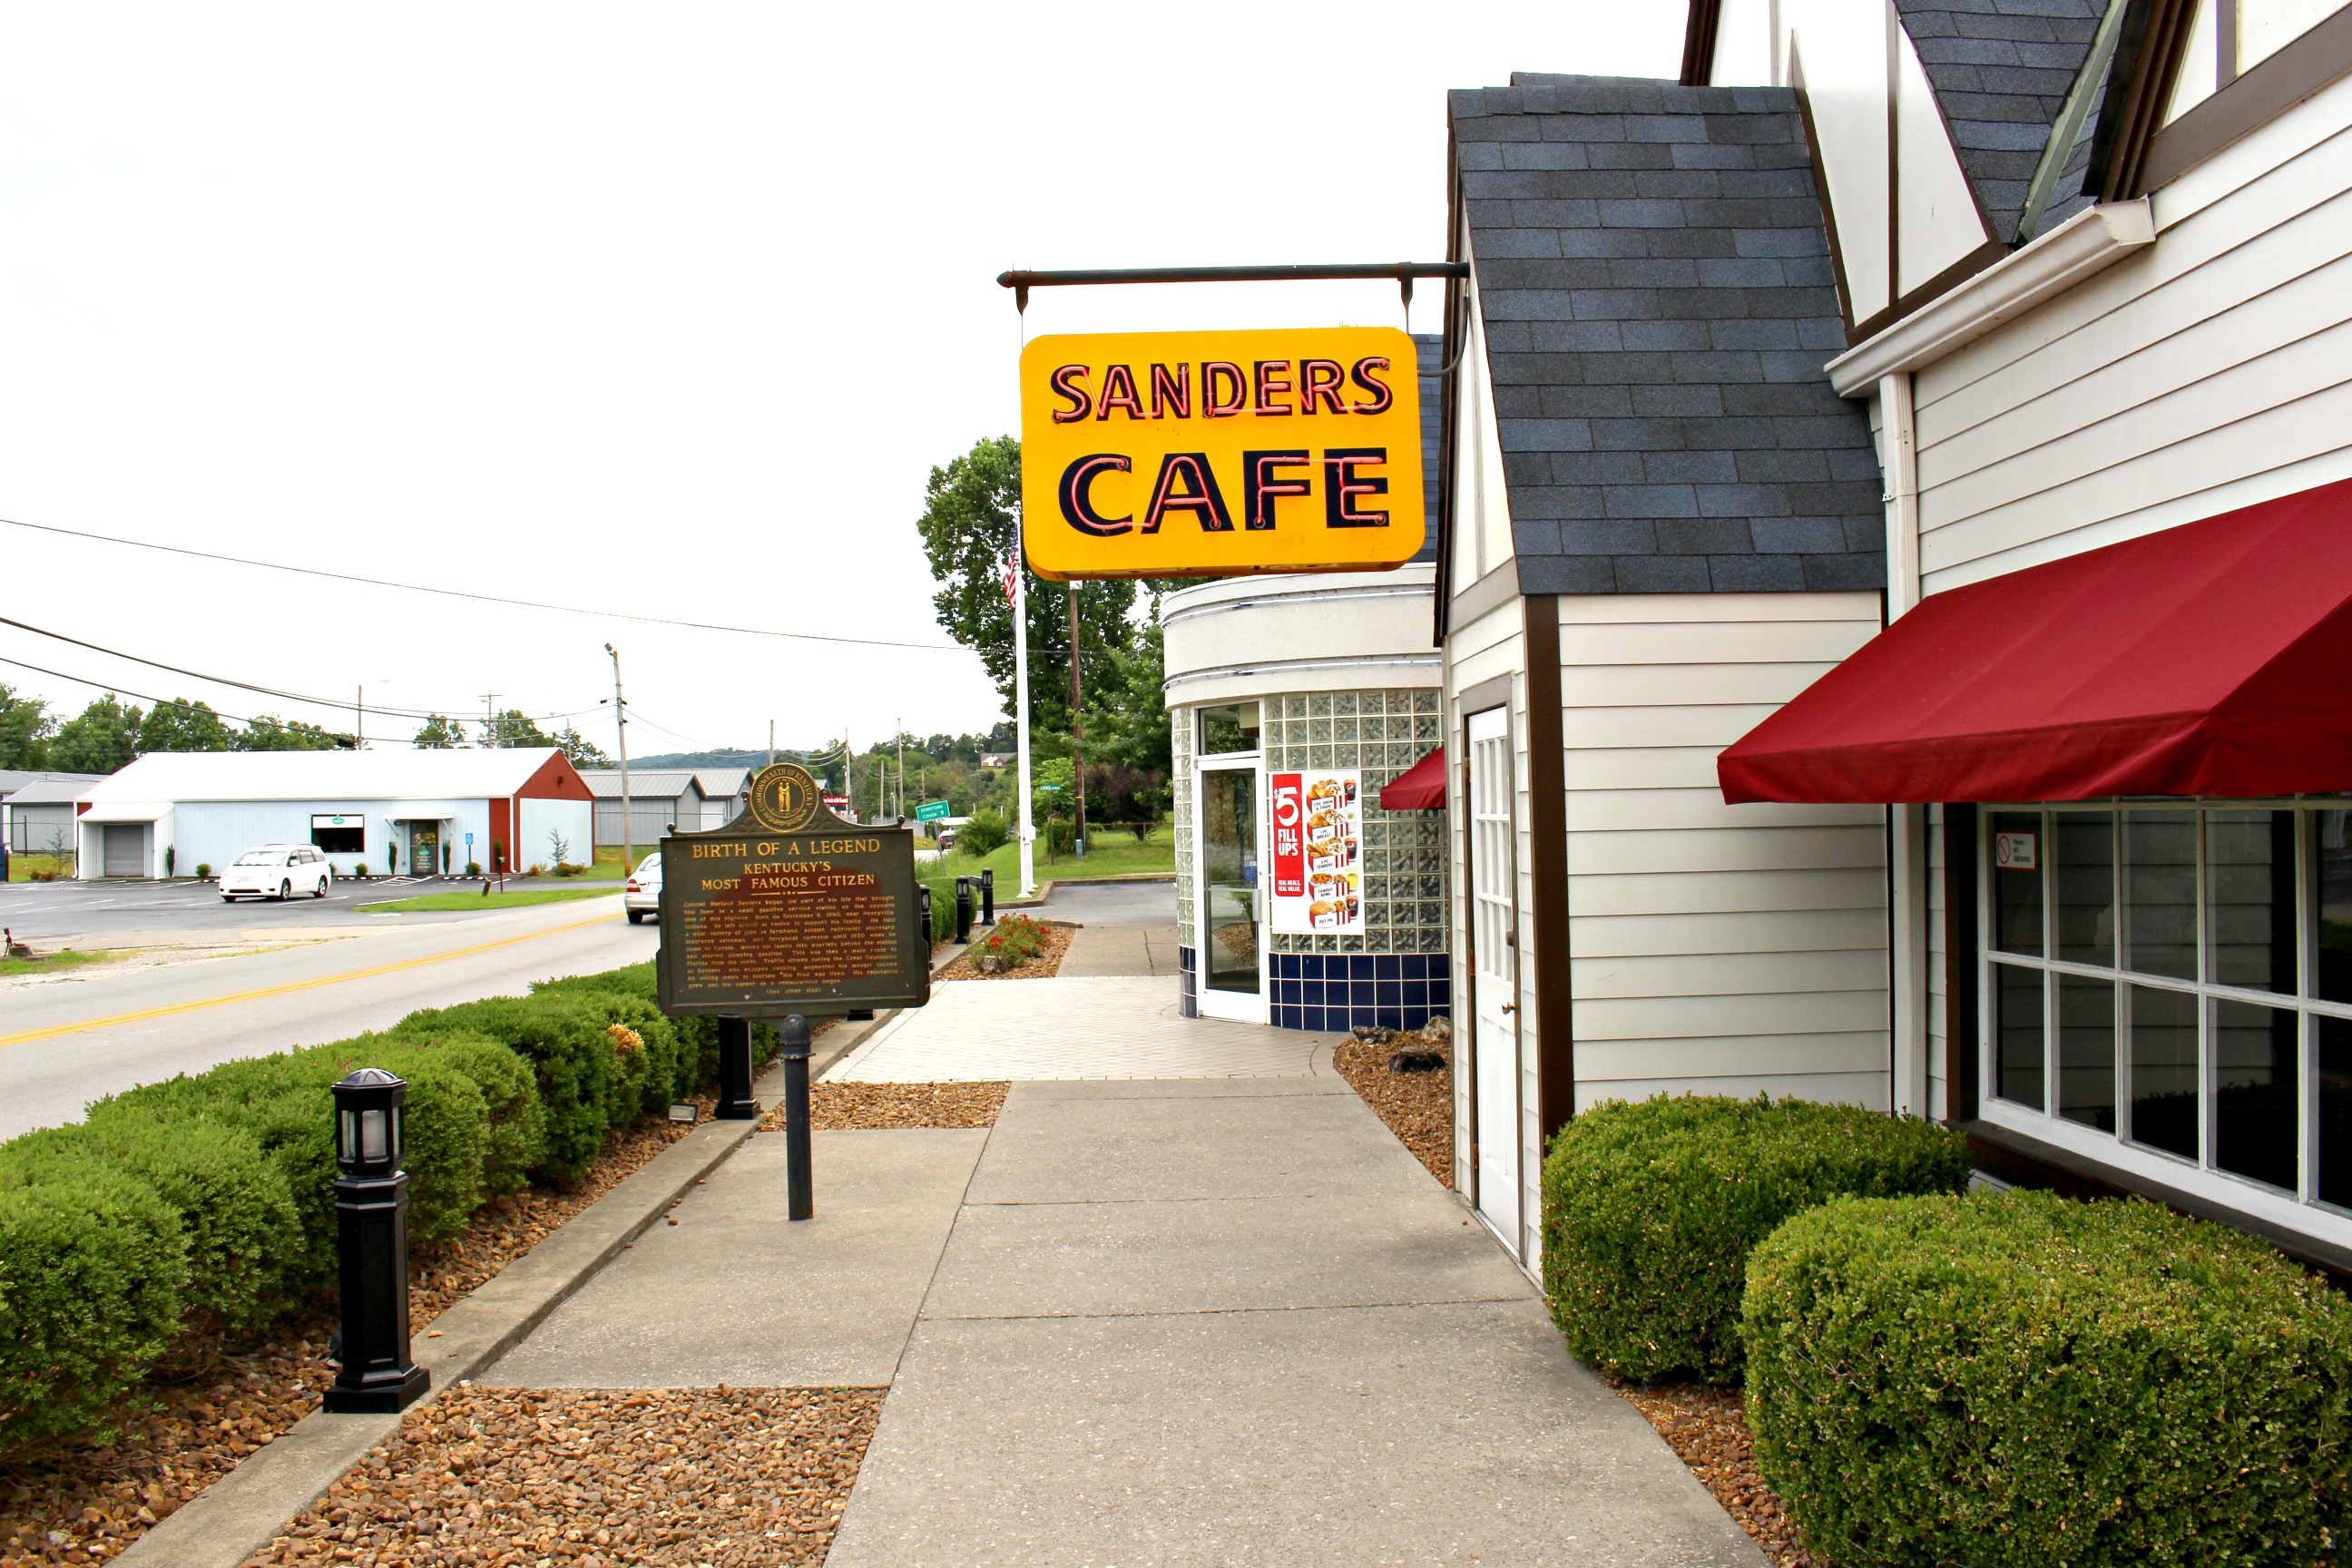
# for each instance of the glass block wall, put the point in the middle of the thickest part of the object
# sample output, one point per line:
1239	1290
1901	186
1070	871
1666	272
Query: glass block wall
1383	733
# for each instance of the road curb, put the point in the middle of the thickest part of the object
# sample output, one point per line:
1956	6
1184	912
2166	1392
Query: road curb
251	1506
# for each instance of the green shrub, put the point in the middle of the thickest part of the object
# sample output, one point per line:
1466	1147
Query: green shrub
697	1037
2018	1379
230	1199
514	1144
1650	1212
985	834
583	1080
445	1127
90	1273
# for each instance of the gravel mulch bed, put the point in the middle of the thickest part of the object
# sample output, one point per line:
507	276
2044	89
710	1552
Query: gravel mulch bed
855	1107
1707	1428
1417	1106
214	1405
597	1477
1042	966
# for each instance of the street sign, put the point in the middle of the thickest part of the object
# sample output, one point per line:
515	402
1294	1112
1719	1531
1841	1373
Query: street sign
789	909
1217	454
931	811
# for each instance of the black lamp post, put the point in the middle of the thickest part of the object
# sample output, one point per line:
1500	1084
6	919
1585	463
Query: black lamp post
372	1223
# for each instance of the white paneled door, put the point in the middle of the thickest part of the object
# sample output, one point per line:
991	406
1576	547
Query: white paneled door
1494	975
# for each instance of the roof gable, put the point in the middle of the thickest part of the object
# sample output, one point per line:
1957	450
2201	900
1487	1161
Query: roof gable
391	773
1654	278
2001	70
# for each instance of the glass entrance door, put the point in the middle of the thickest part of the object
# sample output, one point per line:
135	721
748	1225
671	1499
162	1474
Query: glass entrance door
1231	899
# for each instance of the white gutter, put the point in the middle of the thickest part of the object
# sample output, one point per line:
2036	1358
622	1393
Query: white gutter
2089	242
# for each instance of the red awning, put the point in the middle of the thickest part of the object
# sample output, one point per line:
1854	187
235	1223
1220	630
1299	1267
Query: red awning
1421	787
2214	658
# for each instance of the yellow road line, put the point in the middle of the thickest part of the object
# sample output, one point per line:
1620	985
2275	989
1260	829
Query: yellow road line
54	1030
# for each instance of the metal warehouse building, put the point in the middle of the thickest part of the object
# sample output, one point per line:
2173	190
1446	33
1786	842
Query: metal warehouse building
420	811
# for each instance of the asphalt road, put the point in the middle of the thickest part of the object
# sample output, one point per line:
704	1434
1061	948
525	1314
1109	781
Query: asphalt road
46	912
69	1038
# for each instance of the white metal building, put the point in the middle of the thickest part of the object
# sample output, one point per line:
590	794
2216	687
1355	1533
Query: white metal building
420	811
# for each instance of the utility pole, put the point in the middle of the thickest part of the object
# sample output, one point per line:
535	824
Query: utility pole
490	718
771	742
901	723
621	727
1078	729
359	715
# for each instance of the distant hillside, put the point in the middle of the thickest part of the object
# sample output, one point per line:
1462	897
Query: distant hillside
718	759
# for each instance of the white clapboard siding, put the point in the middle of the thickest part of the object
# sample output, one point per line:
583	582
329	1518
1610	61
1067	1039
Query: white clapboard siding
1712	943
1773	1013
1669	808
2210	370
1740	1055
1867	1089
1832	847
1729	893
1756	931
1728	974
1617	685
1642	767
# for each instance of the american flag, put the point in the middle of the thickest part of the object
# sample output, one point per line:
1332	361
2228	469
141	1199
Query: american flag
1012	590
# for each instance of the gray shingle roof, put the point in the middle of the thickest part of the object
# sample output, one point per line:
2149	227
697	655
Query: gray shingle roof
1655	275
2001	70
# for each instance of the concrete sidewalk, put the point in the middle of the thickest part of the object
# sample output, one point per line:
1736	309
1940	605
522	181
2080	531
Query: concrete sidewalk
1234	1322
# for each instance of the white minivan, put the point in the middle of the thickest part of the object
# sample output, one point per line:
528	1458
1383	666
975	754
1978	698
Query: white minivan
277	871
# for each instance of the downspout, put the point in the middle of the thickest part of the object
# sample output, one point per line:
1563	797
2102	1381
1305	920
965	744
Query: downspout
1906	823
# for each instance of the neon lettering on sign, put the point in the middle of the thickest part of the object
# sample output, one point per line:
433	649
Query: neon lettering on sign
1136	446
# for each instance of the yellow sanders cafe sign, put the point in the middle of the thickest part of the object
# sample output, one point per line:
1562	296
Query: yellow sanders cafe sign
1216	454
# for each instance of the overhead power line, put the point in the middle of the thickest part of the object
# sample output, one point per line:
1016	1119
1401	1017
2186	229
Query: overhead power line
479	598
335	703
117	690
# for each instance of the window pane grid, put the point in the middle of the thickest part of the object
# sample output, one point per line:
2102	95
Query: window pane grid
2178	978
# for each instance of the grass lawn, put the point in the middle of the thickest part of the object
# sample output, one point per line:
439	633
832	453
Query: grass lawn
1110	852
22	867
431	901
65	958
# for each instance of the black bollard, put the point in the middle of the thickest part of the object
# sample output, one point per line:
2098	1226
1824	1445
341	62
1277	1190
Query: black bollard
988	896
376	1377
923	916
963	909
799	1171
735	1101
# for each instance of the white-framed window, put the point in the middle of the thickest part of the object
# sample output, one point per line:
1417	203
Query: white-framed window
2170	986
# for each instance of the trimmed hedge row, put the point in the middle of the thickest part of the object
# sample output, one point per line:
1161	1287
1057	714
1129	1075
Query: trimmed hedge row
206	1204
1651	1209
2018	1379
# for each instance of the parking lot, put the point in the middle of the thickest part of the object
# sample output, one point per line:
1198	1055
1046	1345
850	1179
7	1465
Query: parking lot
46	912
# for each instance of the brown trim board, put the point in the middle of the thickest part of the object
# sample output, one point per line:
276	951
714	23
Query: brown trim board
2312	62
1960	1003
2139	84
1699	28
1492	692
1548	840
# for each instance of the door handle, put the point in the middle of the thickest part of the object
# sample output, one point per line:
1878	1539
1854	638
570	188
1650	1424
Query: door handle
1510	1006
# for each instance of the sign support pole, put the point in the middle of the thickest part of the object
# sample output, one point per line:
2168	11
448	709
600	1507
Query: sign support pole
799	1167
1020	717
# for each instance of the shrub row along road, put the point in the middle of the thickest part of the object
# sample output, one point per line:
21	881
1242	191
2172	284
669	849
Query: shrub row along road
92	1032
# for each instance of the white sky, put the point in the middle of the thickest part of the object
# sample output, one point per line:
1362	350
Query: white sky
667	310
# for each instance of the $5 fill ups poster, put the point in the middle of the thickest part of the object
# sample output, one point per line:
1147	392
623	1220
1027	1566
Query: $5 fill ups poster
1319	851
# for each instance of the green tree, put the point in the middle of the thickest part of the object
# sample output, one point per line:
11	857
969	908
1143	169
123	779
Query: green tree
1127	708
441	733
25	729
514	728
101	739
578	748
971	526
267	732
181	725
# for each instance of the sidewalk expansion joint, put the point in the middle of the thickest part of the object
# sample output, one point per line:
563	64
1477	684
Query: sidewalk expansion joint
1227	1312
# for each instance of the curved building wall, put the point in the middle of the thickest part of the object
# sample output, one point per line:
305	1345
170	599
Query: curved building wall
1344	676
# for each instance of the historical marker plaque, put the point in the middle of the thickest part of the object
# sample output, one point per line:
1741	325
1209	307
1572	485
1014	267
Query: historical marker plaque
790	910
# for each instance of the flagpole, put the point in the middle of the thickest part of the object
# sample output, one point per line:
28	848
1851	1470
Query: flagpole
1020	597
